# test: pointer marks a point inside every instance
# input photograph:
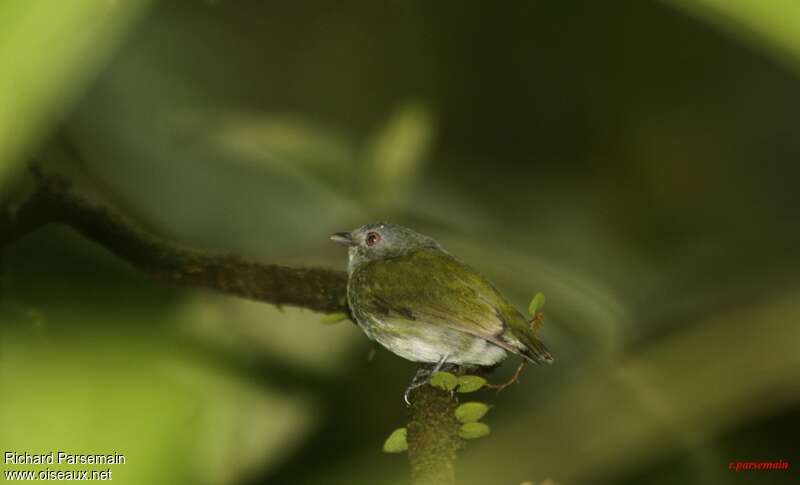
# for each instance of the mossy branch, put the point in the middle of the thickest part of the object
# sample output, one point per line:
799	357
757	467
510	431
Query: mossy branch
317	289
433	432
433	440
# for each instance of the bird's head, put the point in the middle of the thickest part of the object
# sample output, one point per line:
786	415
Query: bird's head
380	240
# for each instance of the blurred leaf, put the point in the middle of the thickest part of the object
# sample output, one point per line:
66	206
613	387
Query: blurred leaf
395	154
249	328
147	402
471	431
771	26
444	380
50	52
471	411
288	145
396	442
470	383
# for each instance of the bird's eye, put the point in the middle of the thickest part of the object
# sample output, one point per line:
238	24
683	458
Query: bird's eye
373	238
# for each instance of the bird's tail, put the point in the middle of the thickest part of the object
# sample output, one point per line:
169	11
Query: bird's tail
534	350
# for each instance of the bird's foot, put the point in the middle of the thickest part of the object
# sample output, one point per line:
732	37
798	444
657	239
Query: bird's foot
439	364
514	379
422	377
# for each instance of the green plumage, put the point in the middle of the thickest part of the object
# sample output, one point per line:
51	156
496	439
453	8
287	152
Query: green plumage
423	304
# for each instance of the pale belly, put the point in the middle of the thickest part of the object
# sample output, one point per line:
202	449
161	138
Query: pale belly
421	342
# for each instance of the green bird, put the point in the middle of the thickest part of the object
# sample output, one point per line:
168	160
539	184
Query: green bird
411	296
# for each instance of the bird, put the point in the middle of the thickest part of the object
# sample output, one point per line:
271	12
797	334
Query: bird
407	293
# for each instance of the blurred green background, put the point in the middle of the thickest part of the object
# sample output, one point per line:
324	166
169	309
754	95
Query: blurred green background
635	161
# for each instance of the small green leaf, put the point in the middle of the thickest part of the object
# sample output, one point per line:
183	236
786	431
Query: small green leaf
470	412
444	380
396	442
333	318
470	383
536	304
471	431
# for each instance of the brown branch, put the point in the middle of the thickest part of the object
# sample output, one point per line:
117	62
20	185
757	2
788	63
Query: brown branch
317	289
433	431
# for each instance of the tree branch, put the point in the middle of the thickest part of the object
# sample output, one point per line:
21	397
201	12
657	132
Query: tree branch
317	289
433	440
433	431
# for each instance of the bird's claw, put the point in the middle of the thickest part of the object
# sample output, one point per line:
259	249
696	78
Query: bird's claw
422	377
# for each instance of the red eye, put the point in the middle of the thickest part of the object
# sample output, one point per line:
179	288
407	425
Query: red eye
373	238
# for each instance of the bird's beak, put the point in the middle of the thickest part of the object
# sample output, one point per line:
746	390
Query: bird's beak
343	238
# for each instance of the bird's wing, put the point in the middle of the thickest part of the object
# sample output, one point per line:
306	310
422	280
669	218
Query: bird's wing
431	286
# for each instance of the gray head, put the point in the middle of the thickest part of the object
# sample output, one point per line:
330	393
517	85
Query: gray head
380	240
